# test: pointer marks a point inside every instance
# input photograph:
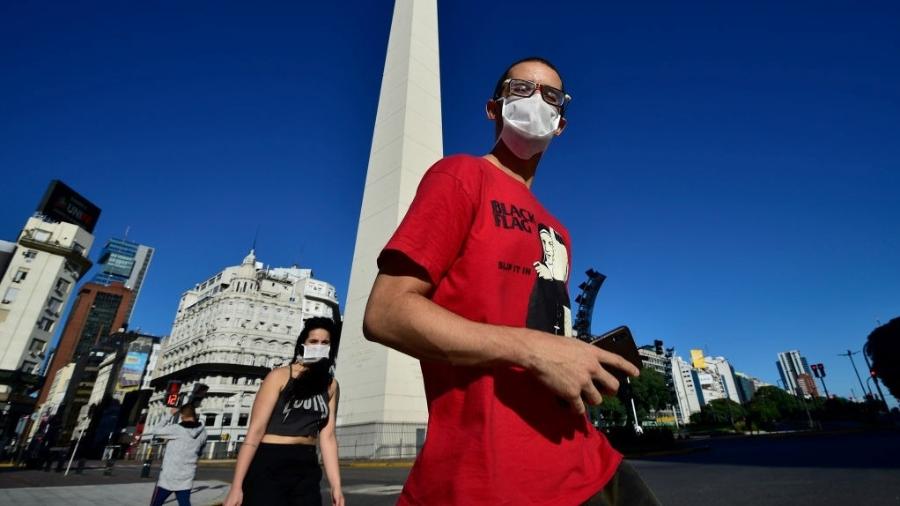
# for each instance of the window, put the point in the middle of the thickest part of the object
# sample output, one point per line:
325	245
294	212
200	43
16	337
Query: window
78	248
54	305
45	323
28	366
226	420
242	420
40	235
29	255
10	296
62	286
210	420
37	346
20	276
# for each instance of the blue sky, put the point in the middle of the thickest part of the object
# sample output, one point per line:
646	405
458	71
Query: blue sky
732	168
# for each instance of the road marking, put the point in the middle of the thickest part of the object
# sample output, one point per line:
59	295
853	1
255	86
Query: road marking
373	489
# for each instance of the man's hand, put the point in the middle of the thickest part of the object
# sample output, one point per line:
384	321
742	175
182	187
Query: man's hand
570	368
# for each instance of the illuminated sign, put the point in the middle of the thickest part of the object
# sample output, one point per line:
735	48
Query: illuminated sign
173	389
65	204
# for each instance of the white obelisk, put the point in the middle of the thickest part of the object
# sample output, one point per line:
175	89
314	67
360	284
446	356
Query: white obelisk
382	409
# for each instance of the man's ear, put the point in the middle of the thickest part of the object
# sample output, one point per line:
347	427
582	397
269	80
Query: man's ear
562	126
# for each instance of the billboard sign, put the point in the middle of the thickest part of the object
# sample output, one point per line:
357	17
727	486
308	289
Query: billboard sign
132	370
65	204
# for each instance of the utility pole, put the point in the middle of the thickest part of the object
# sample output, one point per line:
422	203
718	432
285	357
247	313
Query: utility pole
849	355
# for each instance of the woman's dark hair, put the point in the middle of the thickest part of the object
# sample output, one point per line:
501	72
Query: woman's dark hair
317	376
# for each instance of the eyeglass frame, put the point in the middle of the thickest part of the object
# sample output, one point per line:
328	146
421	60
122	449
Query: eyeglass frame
537	87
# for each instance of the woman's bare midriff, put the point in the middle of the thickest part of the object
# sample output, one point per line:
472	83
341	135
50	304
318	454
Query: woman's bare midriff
289	440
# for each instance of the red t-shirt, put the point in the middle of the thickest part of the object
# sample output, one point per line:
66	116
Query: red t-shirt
496	435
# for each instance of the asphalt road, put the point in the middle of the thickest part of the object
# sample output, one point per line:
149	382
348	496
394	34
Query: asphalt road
837	469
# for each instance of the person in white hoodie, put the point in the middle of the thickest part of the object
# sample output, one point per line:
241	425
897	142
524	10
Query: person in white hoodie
186	440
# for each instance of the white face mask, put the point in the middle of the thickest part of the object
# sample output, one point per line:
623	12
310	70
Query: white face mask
528	125
313	353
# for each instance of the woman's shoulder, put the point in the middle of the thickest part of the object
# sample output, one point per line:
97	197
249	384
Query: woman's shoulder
279	375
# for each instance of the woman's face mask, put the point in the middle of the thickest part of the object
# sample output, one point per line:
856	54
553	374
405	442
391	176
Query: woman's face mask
529	125
312	353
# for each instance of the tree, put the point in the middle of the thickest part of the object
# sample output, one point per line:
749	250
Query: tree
609	413
650	392
719	412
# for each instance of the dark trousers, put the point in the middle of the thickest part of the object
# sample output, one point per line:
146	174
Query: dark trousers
161	494
283	475
625	488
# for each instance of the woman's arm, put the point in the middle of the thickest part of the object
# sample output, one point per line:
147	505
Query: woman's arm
263	405
328	445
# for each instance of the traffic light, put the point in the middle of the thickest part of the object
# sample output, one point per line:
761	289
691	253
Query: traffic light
815	370
872	373
173	389
821	370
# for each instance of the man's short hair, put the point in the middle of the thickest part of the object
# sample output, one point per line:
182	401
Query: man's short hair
188	411
498	88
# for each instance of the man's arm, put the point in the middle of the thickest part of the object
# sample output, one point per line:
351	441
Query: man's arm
167	429
401	315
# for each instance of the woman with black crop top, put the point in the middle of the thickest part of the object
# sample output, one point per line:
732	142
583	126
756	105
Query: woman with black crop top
293	411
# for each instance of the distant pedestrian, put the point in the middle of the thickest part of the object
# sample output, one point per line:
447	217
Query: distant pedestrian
186	440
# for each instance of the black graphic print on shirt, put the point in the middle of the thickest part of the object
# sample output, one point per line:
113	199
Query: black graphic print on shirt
548	306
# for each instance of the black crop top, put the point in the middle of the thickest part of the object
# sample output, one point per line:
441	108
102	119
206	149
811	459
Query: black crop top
300	417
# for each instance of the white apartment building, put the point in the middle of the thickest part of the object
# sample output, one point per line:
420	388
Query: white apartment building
685	390
229	331
49	258
721	368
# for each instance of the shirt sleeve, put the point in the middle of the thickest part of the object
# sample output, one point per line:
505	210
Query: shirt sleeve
439	219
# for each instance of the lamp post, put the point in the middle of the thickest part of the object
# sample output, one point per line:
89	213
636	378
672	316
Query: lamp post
849	355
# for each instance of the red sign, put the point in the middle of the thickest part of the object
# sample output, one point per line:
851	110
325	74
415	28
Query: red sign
173	389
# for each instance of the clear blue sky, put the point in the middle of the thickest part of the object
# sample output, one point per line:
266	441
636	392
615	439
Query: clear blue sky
732	168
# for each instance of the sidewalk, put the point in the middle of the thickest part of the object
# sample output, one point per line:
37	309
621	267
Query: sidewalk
204	493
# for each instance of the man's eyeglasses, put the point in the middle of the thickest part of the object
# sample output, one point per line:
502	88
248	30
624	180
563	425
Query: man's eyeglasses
523	88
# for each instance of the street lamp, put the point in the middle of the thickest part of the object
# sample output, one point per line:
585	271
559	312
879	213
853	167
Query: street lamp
849	355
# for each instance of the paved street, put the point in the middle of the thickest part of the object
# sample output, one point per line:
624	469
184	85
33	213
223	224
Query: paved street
793	470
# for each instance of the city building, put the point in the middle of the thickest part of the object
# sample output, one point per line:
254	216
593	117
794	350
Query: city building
126	262
790	366
746	386
50	256
383	410
725	372
807	385
98	311
686	390
654	357
229	332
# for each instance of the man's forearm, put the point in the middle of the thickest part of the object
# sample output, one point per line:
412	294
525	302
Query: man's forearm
413	324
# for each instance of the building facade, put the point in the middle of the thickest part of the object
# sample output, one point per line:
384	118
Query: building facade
229	332
790	366
686	391
50	257
126	262
98	311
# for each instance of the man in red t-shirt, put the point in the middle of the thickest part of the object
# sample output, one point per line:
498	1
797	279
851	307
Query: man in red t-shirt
474	283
